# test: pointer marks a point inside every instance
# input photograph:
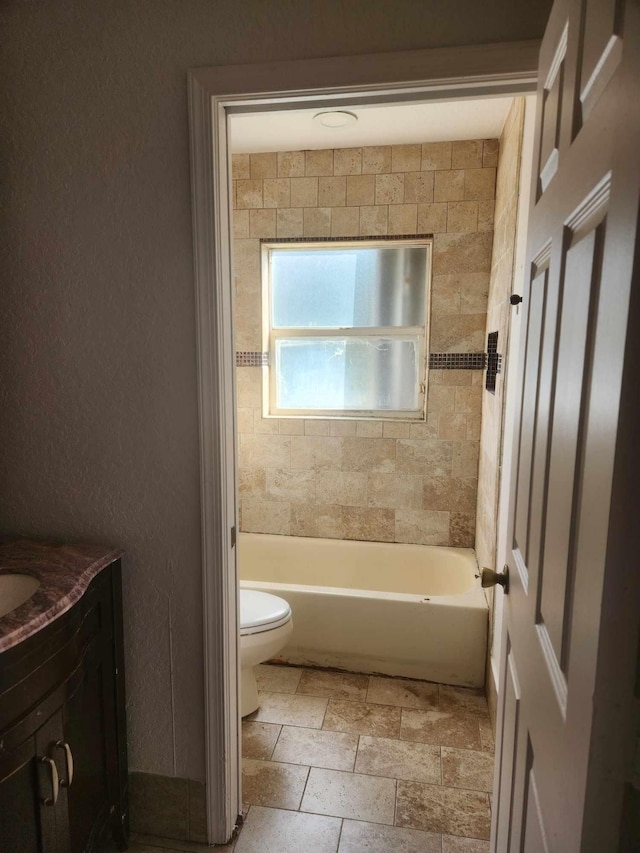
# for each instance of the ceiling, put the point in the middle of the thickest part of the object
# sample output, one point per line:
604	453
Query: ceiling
436	121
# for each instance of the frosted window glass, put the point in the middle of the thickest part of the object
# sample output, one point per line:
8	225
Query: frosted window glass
351	287
347	374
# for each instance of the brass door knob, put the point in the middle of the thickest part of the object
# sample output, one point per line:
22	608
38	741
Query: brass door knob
490	578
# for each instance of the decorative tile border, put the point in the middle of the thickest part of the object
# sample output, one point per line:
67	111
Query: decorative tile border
378	238
437	360
457	360
244	358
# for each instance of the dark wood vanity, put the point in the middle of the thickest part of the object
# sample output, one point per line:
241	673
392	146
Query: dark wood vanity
63	750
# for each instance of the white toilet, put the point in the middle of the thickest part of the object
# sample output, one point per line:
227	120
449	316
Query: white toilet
265	626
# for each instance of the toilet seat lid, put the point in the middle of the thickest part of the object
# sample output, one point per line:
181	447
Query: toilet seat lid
262	611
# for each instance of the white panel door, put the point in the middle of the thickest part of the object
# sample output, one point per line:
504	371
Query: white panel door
562	722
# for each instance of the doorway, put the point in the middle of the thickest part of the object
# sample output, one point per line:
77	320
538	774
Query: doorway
214	95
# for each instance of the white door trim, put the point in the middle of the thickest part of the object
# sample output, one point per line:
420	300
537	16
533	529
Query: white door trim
214	93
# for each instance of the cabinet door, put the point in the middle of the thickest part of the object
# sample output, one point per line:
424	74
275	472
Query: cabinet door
33	806
88	734
19	800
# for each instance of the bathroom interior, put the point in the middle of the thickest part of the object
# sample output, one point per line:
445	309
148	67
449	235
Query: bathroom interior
368	646
379	251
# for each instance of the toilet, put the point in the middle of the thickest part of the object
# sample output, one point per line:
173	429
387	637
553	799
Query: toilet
265	626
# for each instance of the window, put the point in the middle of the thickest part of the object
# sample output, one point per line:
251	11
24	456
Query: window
346	328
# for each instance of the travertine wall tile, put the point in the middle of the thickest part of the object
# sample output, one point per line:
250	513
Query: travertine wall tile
310	452
395	491
258	516
449	185
376	159
318	162
370	455
345	222
332	192
240	166
361	189
467	154
324	522
377	524
374	221
291	164
248	194
432	218
436	155
403	218
373	479
406	158
262	223
417	457
341	488
389	189
462	216
289	222
263	166
304	192
293	486
451	494
418	187
347	161
422	527
317	222
277	192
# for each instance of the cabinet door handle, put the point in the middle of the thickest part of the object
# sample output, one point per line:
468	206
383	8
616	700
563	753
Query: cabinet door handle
68	760
55	787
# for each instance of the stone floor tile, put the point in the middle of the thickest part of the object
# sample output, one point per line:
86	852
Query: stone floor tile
290	710
156	844
336	685
487	738
350	795
259	739
362	718
457	844
467	768
464	699
403	692
276	831
416	762
446	810
441	727
277	679
318	748
267	783
359	837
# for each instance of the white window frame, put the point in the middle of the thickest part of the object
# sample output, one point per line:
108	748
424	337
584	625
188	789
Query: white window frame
271	335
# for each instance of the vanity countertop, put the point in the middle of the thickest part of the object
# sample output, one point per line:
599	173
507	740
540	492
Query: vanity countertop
64	571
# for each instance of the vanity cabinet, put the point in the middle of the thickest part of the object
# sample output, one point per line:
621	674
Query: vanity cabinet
63	753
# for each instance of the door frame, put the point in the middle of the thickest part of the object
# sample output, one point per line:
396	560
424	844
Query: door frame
214	94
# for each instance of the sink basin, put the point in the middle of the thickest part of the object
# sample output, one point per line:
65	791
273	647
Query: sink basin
15	590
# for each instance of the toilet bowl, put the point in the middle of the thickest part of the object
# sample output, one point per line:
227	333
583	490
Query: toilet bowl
265	627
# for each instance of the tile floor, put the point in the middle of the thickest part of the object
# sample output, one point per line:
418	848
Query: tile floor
342	763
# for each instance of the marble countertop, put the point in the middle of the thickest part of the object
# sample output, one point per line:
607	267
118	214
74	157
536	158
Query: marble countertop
64	571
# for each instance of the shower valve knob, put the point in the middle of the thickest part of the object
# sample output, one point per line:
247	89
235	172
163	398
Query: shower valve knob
490	578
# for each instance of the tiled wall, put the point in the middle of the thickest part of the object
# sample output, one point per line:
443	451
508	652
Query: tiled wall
498	319
373	480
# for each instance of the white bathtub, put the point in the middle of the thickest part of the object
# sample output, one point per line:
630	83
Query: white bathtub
412	610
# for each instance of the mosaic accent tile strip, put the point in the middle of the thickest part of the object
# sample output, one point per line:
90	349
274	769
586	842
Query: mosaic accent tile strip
437	360
457	360
245	358
379	238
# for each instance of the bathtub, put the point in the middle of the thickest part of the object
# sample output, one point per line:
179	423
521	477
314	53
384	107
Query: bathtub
416	611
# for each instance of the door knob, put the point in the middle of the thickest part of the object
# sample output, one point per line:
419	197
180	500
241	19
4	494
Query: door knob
490	578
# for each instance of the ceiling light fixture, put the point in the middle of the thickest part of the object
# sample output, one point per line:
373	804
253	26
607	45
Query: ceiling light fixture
335	118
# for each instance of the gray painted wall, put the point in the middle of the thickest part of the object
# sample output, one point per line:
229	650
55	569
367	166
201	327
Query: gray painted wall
98	423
